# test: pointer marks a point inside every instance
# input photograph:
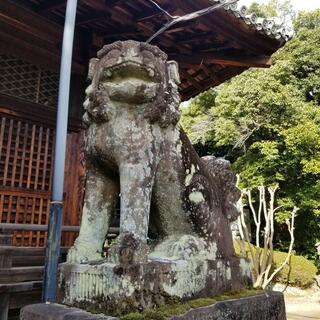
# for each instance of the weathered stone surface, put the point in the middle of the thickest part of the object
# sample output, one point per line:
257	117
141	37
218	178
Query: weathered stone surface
43	311
182	203
269	306
135	148
112	288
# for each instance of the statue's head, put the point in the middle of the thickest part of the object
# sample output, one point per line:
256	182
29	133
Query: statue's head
133	73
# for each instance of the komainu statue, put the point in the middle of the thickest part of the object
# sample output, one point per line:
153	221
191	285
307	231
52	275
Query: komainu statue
174	205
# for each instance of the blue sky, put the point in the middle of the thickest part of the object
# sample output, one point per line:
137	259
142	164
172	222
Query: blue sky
305	5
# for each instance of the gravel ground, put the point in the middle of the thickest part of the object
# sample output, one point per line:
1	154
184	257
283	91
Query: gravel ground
303	304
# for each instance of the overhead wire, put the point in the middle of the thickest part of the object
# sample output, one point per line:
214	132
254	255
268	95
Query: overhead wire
163	10
189	16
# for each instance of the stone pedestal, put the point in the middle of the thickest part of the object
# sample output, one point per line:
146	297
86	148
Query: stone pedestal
111	287
268	306
43	311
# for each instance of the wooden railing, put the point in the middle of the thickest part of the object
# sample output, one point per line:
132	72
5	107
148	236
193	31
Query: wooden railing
44	227
21	268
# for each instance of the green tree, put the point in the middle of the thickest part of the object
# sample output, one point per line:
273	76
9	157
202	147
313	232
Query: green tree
196	120
309	20
267	121
274	8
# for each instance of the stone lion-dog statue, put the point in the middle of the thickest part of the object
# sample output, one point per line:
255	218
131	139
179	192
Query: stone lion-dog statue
136	150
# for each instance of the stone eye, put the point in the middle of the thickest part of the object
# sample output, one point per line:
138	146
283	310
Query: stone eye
115	53
147	55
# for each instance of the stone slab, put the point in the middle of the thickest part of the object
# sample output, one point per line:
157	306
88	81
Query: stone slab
44	311
107	287
268	306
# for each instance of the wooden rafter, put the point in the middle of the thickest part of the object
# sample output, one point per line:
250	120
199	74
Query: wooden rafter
209	49
98	5
227	30
51	5
191	79
150	14
93	18
237	60
33	36
206	84
27	20
195	38
210	73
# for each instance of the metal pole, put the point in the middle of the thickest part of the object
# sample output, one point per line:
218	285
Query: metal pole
49	292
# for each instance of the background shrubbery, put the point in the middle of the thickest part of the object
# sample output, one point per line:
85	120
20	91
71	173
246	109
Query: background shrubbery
267	123
299	273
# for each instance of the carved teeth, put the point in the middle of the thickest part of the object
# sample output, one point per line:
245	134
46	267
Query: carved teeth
151	73
108	73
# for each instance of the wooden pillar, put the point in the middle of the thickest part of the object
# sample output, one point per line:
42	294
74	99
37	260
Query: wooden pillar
49	293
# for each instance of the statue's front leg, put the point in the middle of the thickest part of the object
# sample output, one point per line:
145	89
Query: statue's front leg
136	185
101	197
136	181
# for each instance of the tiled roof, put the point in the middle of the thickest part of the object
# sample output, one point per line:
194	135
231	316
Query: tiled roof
271	27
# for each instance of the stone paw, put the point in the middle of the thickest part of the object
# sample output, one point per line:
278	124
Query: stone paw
179	247
128	250
83	253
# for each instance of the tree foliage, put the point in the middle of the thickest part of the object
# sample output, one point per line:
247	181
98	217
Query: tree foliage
309	20
267	122
274	8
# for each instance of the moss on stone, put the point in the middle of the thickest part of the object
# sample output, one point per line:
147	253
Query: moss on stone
237	294
134	316
166	311
173	307
203	302
172	310
153	314
101	304
88	306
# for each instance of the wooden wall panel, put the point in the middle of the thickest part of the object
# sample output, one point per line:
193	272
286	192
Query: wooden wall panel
26	155
74	184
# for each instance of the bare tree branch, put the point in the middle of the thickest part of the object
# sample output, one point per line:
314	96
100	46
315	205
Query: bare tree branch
291	231
262	259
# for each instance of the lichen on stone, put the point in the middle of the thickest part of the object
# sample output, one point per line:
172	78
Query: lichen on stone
163	312
136	149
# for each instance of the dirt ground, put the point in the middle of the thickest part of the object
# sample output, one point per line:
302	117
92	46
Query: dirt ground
303	304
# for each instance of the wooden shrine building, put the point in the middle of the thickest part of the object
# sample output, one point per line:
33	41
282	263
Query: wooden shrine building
209	50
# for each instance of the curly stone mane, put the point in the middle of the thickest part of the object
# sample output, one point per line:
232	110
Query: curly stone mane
163	109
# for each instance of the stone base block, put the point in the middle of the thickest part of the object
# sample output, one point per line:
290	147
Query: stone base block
268	306
43	311
112	288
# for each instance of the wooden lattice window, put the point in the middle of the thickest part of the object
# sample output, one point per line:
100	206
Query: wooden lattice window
22	79
26	155
25	176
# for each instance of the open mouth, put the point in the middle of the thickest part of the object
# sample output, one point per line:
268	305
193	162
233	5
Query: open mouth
130	82
130	70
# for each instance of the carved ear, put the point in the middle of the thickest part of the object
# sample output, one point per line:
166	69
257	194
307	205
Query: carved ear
173	71
92	64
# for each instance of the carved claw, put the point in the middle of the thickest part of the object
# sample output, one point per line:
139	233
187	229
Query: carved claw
83	253
128	250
